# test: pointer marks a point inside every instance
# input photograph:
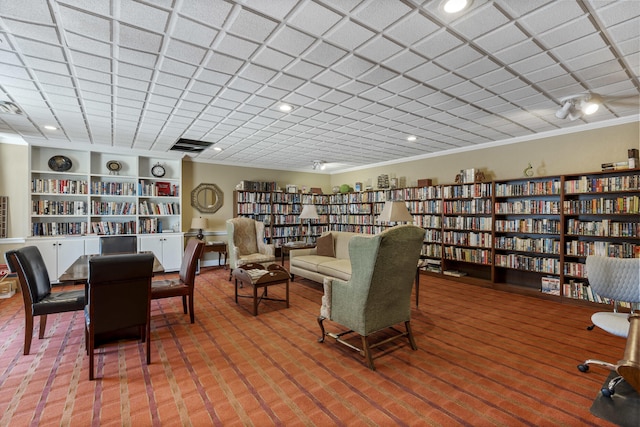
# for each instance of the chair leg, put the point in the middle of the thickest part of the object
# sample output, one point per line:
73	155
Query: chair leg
43	326
184	304
191	313
91	355
320	320
367	353
148	328
412	341
28	332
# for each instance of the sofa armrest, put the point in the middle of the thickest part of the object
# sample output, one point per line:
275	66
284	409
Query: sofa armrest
300	252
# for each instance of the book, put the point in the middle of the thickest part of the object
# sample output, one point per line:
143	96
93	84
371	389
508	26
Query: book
454	273
163	188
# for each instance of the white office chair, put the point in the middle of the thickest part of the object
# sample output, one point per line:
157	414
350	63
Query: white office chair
617	279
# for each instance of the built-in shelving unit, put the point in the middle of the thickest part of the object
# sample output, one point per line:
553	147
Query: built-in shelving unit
87	194
528	235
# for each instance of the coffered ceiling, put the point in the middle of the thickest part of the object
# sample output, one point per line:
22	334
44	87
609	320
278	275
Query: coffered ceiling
361	75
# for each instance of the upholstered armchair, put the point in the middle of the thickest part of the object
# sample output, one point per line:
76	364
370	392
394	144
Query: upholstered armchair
378	295
246	243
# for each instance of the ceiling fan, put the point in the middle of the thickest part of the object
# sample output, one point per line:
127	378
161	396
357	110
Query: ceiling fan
575	106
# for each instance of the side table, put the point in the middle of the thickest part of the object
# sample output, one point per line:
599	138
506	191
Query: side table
257	276
286	248
220	248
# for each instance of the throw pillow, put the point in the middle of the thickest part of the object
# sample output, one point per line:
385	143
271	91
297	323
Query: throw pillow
324	246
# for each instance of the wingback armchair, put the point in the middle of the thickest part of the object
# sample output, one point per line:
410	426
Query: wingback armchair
246	243
378	294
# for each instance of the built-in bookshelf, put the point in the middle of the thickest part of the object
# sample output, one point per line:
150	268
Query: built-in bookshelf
280	212
77	193
529	235
601	216
527	232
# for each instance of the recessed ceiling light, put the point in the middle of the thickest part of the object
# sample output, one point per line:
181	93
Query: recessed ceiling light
49	127
455	6
285	108
217	149
411	138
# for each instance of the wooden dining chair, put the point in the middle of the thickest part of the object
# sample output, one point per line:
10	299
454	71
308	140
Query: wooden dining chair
119	292
118	245
35	287
184	285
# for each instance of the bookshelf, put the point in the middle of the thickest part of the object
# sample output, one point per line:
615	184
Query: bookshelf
77	196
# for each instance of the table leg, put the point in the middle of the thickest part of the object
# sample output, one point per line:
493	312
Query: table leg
287	294
236	291
255	300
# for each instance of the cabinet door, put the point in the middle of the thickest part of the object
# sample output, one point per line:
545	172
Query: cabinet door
68	251
152	243
49	250
92	246
172	251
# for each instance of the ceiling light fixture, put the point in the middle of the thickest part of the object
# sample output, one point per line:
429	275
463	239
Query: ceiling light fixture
285	108
575	106
49	127
455	6
411	138
319	164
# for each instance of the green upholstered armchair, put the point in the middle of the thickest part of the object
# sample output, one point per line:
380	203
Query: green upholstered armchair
246	243
378	295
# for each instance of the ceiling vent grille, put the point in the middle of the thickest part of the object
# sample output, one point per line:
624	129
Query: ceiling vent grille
7	107
190	145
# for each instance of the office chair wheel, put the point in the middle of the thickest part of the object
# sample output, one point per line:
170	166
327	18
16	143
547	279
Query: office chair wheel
606	392
583	368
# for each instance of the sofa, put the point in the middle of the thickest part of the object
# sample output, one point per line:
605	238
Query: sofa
330	258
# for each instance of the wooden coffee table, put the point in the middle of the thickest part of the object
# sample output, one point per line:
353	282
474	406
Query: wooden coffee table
257	276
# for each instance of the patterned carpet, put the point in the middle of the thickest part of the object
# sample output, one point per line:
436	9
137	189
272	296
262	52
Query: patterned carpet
485	358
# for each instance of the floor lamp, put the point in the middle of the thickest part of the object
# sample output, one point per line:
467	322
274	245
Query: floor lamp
395	212
308	212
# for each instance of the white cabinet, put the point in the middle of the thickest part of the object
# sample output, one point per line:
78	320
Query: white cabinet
58	254
167	248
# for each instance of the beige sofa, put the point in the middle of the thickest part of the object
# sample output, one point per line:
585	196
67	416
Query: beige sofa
308	264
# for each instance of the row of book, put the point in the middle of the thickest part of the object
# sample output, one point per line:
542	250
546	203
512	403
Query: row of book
479	223
431	250
58	207
257	186
610	249
151	208
528	225
464	238
618	205
59	228
539	245
113	188
534	207
478	206
604	227
530	188
59	186
528	263
478	256
158	189
424	206
602	184
112	208
110	228
467	191
428	221
245	208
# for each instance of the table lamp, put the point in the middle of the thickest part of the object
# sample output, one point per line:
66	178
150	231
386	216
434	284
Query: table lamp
199	224
309	212
395	211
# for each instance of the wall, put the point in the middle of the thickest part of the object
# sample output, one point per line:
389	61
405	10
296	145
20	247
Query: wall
14	183
573	153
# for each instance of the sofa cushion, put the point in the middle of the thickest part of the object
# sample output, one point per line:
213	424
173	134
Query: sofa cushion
324	246
339	268
310	262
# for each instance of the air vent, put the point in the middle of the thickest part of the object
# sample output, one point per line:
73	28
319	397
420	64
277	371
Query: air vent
7	107
190	145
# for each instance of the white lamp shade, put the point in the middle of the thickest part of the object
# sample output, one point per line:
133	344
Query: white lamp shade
395	212
199	223
309	212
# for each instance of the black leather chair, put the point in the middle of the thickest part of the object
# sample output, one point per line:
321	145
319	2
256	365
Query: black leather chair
119	299
38	299
118	245
184	285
